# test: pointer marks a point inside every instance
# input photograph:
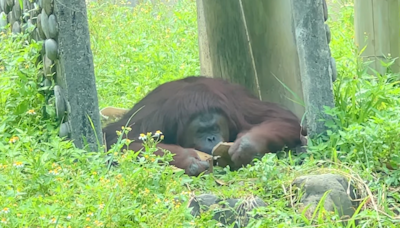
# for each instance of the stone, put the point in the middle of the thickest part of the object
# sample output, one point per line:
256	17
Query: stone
48	68
39	27
28	27
65	130
325	9
53	27
17	10
10	3
226	211
51	48
60	102
333	68
44	19
313	188
10	18
3	21
3	5
47	5
6	8
328	33
46	83
16	28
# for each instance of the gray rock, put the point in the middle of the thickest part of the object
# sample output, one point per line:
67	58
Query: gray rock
35	35
60	104
3	5
28	27
341	195
17	10
48	68
334	69
65	130
44	19
328	33
47	5
39	27
10	18
325	9
226	211
10	3
16	28
53	27
51	49
3	21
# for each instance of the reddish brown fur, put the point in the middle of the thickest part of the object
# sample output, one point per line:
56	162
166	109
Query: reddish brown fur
171	106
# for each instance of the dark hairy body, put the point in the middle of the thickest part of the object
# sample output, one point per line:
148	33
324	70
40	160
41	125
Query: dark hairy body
196	113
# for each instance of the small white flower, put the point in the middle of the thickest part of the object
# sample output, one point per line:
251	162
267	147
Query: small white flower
31	112
142	137
18	164
6	210
157	134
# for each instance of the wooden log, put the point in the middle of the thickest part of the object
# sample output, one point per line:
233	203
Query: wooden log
223	37
377	30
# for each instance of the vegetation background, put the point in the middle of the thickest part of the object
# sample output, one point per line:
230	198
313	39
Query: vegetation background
136	49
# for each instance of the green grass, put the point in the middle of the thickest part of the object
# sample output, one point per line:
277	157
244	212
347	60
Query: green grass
137	49
134	51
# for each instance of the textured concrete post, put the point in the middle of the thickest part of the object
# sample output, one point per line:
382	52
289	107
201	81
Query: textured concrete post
313	50
75	74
